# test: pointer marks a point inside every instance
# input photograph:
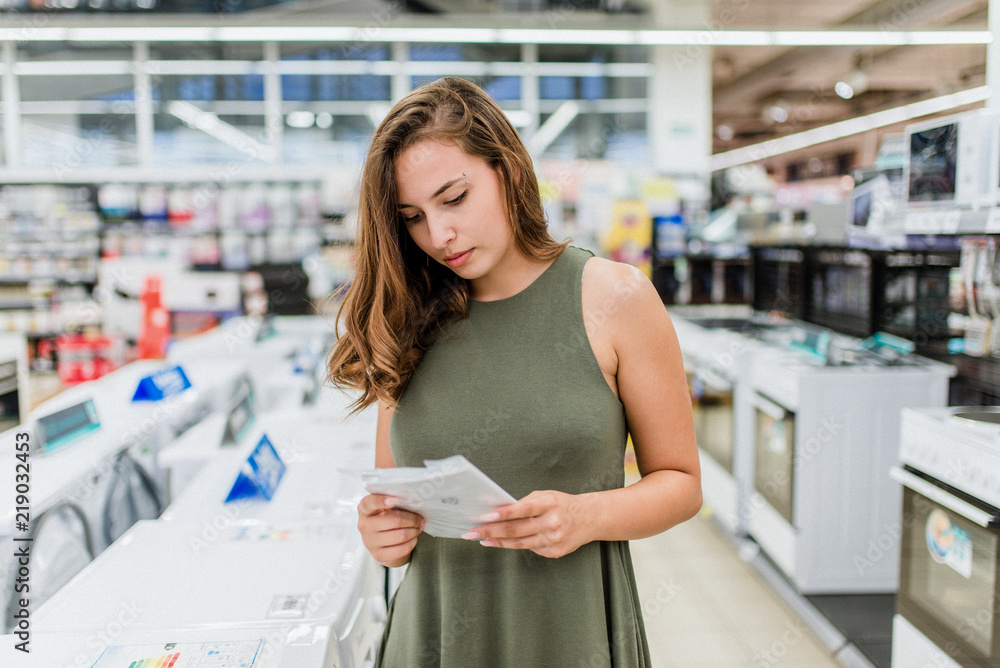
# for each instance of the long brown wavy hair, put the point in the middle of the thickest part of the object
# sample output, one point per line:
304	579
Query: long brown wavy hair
400	299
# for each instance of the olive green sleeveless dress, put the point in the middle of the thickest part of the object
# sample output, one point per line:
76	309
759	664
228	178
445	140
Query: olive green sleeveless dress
515	387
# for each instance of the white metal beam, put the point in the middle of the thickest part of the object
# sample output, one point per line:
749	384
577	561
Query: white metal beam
11	106
472	35
143	93
851	126
552	128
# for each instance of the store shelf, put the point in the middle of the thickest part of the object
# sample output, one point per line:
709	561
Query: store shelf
953	221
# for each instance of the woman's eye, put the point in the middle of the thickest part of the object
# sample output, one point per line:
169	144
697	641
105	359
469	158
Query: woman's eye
411	219
457	199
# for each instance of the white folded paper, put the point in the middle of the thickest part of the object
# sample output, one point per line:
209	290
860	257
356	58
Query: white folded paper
451	493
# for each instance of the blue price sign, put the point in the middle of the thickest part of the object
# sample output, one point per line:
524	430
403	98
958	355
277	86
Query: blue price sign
260	473
162	384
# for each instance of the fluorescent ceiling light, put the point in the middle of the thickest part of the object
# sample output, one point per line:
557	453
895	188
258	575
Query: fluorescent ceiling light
564	36
847	128
213	126
844	90
292	34
705	37
553	127
73	67
469	35
778	113
300	119
324	120
724	132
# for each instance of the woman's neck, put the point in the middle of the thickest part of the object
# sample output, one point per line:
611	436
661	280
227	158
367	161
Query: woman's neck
513	273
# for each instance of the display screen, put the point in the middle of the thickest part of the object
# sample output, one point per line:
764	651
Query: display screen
62	426
933	162
862	209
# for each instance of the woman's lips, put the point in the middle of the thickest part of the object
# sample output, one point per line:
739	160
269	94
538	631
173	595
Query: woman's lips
459	260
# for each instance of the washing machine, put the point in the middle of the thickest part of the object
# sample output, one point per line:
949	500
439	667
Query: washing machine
313	488
270	358
175	576
289	644
84	491
317	427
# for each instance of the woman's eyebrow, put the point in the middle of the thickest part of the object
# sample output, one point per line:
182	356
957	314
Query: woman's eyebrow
437	192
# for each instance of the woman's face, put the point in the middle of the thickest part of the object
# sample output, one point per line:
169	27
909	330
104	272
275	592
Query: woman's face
453	207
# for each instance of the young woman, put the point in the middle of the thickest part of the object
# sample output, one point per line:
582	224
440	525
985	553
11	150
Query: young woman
480	335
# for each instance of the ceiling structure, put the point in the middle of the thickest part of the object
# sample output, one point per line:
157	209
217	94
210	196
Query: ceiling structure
748	82
759	92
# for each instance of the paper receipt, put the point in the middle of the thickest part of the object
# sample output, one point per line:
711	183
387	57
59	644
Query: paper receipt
451	493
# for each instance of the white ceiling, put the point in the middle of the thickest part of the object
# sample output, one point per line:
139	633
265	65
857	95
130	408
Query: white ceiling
747	81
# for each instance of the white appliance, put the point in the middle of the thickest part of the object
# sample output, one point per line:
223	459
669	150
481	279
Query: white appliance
212	386
949	585
82	495
823	438
13	380
174	576
949	161
270	358
311	491
296	430
289	644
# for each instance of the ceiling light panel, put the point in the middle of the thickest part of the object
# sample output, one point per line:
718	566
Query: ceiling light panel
468	35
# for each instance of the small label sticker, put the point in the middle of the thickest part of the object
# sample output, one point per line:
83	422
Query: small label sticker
219	654
288	606
948	543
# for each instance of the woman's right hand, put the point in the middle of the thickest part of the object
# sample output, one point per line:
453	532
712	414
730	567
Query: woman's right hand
389	533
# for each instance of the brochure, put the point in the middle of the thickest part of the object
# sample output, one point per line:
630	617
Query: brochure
452	494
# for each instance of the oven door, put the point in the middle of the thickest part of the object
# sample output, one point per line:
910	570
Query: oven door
948	575
774	454
712	401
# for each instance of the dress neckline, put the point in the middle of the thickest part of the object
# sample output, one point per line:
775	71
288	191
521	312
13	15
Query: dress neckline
525	289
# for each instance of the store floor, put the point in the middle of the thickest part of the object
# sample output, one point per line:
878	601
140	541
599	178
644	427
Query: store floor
704	606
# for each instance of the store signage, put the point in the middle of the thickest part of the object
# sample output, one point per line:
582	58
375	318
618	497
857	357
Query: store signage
162	384
63	426
260	474
240	418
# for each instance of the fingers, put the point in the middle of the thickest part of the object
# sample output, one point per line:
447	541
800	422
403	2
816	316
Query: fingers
509	529
374	503
543	522
387	555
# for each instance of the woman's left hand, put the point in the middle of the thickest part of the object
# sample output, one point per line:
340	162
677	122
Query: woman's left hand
549	523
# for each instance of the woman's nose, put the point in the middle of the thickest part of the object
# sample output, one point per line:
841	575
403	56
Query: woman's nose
441	231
